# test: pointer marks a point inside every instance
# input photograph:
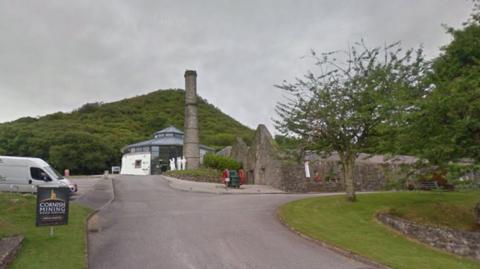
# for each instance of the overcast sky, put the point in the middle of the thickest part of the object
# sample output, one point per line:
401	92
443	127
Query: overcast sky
58	55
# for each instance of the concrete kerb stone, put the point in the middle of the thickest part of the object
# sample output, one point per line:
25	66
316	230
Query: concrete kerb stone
87	224
9	248
336	249
213	188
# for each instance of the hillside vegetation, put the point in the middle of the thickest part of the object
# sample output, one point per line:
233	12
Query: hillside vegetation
89	139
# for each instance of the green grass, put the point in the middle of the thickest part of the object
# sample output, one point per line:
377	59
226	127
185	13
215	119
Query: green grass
199	174
66	249
448	210
353	226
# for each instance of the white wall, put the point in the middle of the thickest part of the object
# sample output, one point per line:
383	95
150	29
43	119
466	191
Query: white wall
202	154
129	160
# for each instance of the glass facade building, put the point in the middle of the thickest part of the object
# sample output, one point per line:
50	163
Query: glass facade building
165	145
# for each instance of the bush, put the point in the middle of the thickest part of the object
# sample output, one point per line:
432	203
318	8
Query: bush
200	174
464	177
219	162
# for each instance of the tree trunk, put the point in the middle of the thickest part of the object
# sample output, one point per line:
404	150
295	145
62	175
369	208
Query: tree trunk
477	213
348	164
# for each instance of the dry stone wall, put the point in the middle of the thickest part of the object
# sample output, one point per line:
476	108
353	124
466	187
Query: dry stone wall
265	164
458	242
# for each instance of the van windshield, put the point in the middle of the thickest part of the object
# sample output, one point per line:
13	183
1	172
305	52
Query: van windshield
54	172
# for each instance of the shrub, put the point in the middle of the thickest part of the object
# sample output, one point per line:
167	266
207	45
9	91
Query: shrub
200	174
464	177
219	162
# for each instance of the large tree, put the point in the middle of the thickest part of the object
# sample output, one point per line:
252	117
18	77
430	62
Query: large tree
352	97
448	126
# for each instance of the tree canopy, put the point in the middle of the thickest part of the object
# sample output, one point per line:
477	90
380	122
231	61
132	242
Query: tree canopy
347	104
447	127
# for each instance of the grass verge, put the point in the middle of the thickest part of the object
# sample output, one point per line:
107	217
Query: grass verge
452	210
352	226
66	249
199	174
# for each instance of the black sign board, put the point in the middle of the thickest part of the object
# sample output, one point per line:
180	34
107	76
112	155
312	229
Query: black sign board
52	206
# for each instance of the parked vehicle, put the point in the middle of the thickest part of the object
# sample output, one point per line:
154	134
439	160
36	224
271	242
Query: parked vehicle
23	174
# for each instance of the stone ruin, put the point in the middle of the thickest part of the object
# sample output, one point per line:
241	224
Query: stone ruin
265	164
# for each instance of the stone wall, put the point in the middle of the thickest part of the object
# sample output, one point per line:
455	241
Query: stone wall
239	152
294	180
225	152
9	248
265	164
327	175
458	242
263	160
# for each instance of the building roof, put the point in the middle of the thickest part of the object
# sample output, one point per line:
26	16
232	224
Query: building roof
161	138
364	158
170	129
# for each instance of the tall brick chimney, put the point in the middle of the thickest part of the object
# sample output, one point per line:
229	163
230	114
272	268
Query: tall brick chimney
191	149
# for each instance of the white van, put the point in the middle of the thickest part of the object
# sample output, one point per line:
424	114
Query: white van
21	174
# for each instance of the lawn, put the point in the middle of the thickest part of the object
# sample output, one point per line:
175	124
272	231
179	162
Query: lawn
66	249
453	210
353	226
199	174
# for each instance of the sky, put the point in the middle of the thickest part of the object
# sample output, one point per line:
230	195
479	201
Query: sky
59	55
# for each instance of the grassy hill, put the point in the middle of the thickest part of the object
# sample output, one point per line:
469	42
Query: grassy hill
89	139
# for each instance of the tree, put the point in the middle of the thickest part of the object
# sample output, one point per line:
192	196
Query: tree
346	106
448	124
81	152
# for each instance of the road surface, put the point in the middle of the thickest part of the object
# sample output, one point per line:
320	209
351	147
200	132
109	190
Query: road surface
150	225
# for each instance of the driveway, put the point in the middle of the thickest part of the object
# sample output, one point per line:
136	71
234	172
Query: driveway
150	225
93	191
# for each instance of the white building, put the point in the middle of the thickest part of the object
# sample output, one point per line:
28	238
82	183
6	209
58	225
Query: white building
152	156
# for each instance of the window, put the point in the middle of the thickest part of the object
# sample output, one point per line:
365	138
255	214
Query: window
52	171
138	163
38	174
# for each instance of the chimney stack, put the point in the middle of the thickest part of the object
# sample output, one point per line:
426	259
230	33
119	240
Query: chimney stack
191	149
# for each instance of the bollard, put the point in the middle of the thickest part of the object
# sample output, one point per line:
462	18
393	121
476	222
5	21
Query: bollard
105	174
66	172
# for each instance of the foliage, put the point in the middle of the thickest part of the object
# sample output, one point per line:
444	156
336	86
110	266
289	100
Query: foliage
447	127
352	226
346	106
17	216
464	177
200	174
89	139
395	184
220	162
441	211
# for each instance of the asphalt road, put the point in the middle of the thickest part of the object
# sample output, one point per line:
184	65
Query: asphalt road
150	225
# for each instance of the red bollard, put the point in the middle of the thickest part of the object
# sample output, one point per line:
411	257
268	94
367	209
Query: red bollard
241	175
66	172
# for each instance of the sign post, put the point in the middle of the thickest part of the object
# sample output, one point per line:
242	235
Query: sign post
52	206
